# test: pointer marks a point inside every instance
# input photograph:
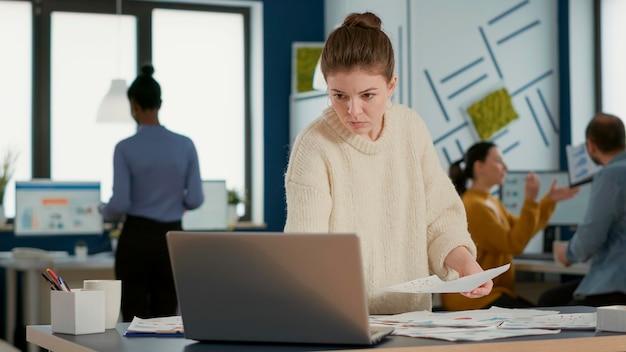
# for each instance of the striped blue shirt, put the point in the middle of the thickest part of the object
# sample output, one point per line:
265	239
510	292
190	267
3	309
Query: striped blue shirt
156	175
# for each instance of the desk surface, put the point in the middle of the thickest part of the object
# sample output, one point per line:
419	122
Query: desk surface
113	340
105	260
549	266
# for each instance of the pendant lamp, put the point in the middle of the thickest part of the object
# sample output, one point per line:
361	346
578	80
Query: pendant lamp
319	83
115	106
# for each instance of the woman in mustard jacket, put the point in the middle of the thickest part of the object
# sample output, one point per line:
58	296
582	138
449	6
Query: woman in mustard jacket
498	234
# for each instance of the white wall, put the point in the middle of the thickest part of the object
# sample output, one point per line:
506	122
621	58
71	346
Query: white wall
581	60
463	50
489	44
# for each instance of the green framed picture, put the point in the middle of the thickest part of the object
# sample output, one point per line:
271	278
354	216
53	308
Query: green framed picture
305	58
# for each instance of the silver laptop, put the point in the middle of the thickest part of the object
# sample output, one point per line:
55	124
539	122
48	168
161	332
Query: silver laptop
271	287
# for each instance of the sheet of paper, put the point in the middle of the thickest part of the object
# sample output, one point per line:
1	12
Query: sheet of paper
490	313
433	284
474	334
580	167
466	318
164	325
579	321
481	324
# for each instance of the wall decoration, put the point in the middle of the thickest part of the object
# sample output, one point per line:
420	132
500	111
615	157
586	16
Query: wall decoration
305	57
509	44
492	113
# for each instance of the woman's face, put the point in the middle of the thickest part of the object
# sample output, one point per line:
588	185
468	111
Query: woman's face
360	99
493	170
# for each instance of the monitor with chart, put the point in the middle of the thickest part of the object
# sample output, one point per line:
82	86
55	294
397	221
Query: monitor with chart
567	212
46	207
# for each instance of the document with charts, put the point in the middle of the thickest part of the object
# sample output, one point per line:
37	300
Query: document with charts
580	167
433	284
163	326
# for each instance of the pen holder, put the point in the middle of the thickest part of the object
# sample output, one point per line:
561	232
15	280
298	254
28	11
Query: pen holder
611	318
77	312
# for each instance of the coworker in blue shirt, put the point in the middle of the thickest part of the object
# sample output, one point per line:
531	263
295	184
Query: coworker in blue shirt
601	236
156	177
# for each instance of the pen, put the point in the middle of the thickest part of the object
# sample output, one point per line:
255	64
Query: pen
53	275
53	284
64	287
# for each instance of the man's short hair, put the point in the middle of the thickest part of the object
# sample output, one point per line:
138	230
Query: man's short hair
606	131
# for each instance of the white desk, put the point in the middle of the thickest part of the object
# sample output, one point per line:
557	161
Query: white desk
32	280
549	266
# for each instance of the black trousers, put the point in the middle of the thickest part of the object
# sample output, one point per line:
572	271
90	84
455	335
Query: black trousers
563	295
142	262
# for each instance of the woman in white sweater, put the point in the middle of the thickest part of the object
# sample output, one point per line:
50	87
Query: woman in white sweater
369	167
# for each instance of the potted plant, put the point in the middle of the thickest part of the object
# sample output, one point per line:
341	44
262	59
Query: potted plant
234	199
8	168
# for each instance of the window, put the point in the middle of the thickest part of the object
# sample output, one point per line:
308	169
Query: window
15	92
613	56
212	98
208	104
83	63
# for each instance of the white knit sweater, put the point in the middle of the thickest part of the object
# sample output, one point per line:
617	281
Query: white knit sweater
392	193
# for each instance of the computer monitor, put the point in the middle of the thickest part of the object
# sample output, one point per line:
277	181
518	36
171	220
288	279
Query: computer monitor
46	207
567	213
213	213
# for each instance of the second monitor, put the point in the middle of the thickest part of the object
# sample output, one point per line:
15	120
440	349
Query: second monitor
213	213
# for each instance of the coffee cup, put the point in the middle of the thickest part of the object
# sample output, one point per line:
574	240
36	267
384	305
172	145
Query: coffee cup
112	298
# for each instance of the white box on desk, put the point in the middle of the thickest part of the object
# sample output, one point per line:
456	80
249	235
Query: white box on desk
612	318
78	312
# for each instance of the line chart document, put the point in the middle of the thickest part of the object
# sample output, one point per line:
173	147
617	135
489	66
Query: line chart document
433	284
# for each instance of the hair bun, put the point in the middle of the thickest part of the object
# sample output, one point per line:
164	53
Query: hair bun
147	70
365	20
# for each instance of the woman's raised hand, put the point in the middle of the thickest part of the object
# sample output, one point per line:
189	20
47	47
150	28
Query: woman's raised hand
532	186
558	194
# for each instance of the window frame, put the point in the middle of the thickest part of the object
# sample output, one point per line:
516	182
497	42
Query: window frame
142	10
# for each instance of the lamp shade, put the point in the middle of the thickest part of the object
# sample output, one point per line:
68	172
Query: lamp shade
319	83
115	106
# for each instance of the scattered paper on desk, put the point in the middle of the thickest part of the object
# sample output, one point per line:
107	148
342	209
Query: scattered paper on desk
471	325
578	321
433	284
490	313
465	318
475	334
164	325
